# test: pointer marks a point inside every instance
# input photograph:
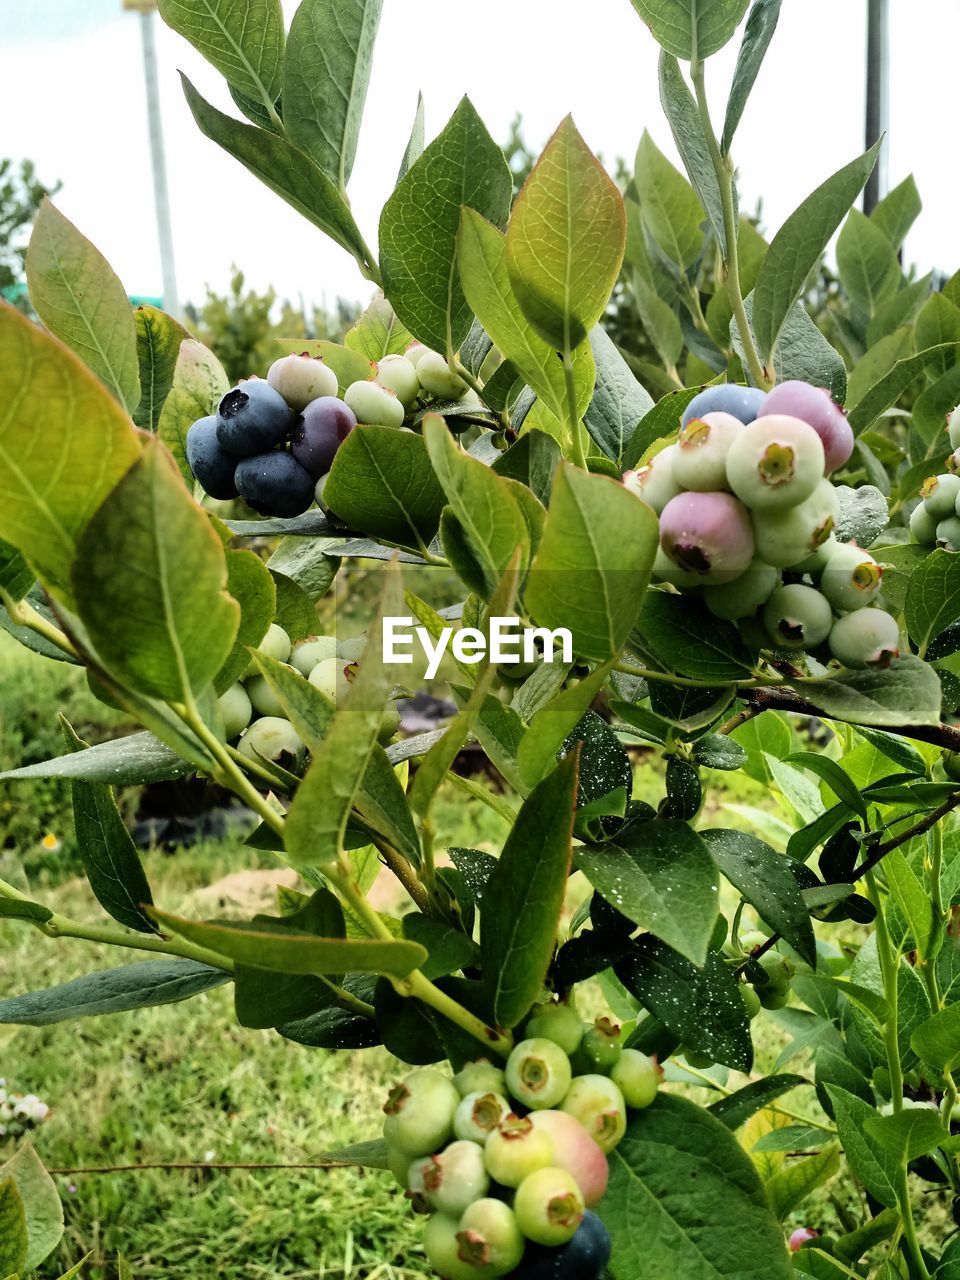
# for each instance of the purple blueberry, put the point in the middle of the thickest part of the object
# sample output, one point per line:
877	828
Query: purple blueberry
319	432
707	534
815	406
209	461
743	403
252	418
274	484
585	1257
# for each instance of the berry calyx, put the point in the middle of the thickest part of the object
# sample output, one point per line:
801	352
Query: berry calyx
538	1073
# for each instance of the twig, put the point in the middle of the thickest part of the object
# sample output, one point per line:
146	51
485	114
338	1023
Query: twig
748	713
190	1165
766	698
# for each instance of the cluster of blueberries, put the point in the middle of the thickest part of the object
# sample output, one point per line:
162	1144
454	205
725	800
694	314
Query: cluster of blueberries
747	514
251	711
272	441
19	1112
508	1163
935	520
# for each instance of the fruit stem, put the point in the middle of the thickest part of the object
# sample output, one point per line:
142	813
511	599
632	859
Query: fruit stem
730	269
460	369
25	615
63	927
573	414
401	868
232	776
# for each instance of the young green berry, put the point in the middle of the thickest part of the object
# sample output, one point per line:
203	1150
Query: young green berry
700	460
787	537
774	463
923	526
939	495
452	1180
489	1238
953	427
751	1001
398	375
265	700
816	561
538	1073
374	405
948	534
707	534
480	1077
274	739
302	378
637	1077
442	1248
851	578
437	378
557	1022
598	1104
305	654
549	1206
951	764
252	418
797	617
867	638
420	1112
235	709
655	482
816	407
602	1046
389	724
585	1257
515	1149
743	403
478	1115
329	677
777	973
742	597
275	644
664	570
575	1151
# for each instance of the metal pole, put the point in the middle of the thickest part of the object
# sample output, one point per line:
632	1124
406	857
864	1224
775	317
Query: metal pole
171	299
878	96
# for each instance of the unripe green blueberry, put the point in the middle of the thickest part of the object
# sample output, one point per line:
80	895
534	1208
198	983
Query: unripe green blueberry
771	998
655	482
707	534
515	1149
948	534
307	653
302	378
695	1058
437	378
700	460
235	709
923	526
751	1001
263	696
415	353
557	1022
480	1077
351	650
953	427
419	1112
851	578
939	495
599	1106
442	1248
952	463
742	597
664	570
637	1077
274	739
452	1180
797	617
777	973
951	764
775	462
478	1115
787	537
816	561
275	644
867	638
538	1073
489	1238
374	405
576	1152
398	375
328	676
602	1046
549	1206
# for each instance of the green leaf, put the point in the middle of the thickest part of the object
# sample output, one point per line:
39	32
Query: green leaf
13	1229
16	577
158	348
802	352
910	895
619	402
899	209
907	692
660	322
305	562
326	71
295	610
199	383
761	24
378	332
523	897
910	1134
938	324
160	616
565	240
872	1162
661	876
593	563
132	986
702	1007
937	1040
662	421
867	262
415	143
792	1184
250	583
797	247
691	28
687	127
279	950
285	170
64	444
461	167
110	858
382	482
686	639
552	724
718	751
792	1137
836	778
737	1108
766	881
533	460
244	42
891	386
41	1204
135	760
685	1200
671	210
82	302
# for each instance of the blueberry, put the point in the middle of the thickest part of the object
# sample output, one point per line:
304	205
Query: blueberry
209	461
274	484
742	402
319	432
252	417
585	1257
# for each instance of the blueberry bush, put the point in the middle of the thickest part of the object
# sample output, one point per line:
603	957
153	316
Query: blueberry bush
749	582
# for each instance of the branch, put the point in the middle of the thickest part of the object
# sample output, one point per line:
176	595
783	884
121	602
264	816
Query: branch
767	699
190	1165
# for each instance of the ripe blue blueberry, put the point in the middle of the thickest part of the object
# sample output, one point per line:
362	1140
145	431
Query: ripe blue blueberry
319	432
585	1257
213	466
742	402
274	484
252	418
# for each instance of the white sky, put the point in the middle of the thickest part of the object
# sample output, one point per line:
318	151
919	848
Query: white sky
71	98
